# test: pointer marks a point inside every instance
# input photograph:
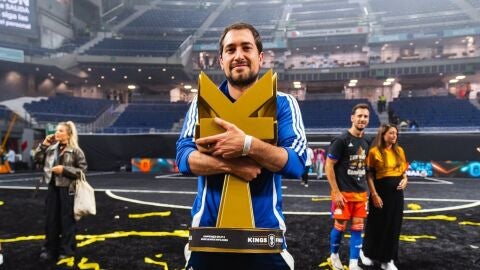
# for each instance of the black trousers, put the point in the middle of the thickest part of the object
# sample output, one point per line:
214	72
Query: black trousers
384	225
60	227
236	261
305	175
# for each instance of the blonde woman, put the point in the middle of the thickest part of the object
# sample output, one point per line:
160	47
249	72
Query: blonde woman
62	161
387	179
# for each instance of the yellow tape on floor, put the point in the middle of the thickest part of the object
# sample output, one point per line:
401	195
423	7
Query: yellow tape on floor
153	214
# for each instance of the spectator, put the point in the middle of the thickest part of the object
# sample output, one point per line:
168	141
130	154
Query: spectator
11	159
386	180
62	161
308	165
413	125
319	161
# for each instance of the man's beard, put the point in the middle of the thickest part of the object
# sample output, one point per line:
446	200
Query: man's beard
359	128
243	81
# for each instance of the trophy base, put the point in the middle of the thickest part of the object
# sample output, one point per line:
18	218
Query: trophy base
236	240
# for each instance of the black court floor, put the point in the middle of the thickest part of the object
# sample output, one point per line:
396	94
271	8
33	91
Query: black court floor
142	223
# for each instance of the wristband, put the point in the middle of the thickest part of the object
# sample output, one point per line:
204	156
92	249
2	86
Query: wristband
247	143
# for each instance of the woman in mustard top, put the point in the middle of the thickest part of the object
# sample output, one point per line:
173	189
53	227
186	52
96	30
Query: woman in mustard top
387	179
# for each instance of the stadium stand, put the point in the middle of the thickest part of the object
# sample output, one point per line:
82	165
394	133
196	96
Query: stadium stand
143	117
443	111
64	108
322	114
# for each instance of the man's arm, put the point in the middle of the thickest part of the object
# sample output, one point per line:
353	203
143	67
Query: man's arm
287	158
337	196
202	164
195	159
230	145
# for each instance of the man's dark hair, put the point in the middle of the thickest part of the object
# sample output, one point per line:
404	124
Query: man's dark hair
240	26
360	106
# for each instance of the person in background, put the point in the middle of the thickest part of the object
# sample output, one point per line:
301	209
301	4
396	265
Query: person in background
62	161
387	179
260	164
11	159
308	164
319	161
346	173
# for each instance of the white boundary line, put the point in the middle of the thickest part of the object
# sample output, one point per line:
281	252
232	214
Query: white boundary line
110	194
470	203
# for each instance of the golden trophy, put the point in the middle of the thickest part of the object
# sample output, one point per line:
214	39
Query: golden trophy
254	113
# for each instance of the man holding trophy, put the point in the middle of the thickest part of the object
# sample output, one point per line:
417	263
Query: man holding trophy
240	139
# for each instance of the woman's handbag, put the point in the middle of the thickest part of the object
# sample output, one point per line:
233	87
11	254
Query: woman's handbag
84	202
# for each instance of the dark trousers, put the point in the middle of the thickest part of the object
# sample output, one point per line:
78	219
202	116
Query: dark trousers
384	225
305	175
235	261
60	227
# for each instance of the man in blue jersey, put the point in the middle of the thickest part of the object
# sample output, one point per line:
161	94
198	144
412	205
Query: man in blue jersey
346	173
234	152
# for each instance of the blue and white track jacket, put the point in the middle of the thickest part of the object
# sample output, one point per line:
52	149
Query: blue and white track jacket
266	189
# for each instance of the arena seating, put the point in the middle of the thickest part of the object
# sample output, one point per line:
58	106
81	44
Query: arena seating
5	113
145	116
64	108
442	111
318	114
135	47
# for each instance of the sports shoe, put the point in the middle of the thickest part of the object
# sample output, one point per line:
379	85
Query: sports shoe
335	260
1	258
306	185
353	265
388	266
365	260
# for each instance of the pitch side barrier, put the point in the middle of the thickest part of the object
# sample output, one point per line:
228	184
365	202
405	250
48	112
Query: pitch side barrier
441	154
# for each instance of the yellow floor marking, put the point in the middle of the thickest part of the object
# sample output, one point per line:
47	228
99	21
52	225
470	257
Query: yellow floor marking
413	238
153	214
84	265
469	223
317	199
414	206
90	238
69	261
437	217
328	264
151	261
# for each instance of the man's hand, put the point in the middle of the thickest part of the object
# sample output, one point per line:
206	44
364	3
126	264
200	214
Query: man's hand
228	144
58	170
245	168
339	199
